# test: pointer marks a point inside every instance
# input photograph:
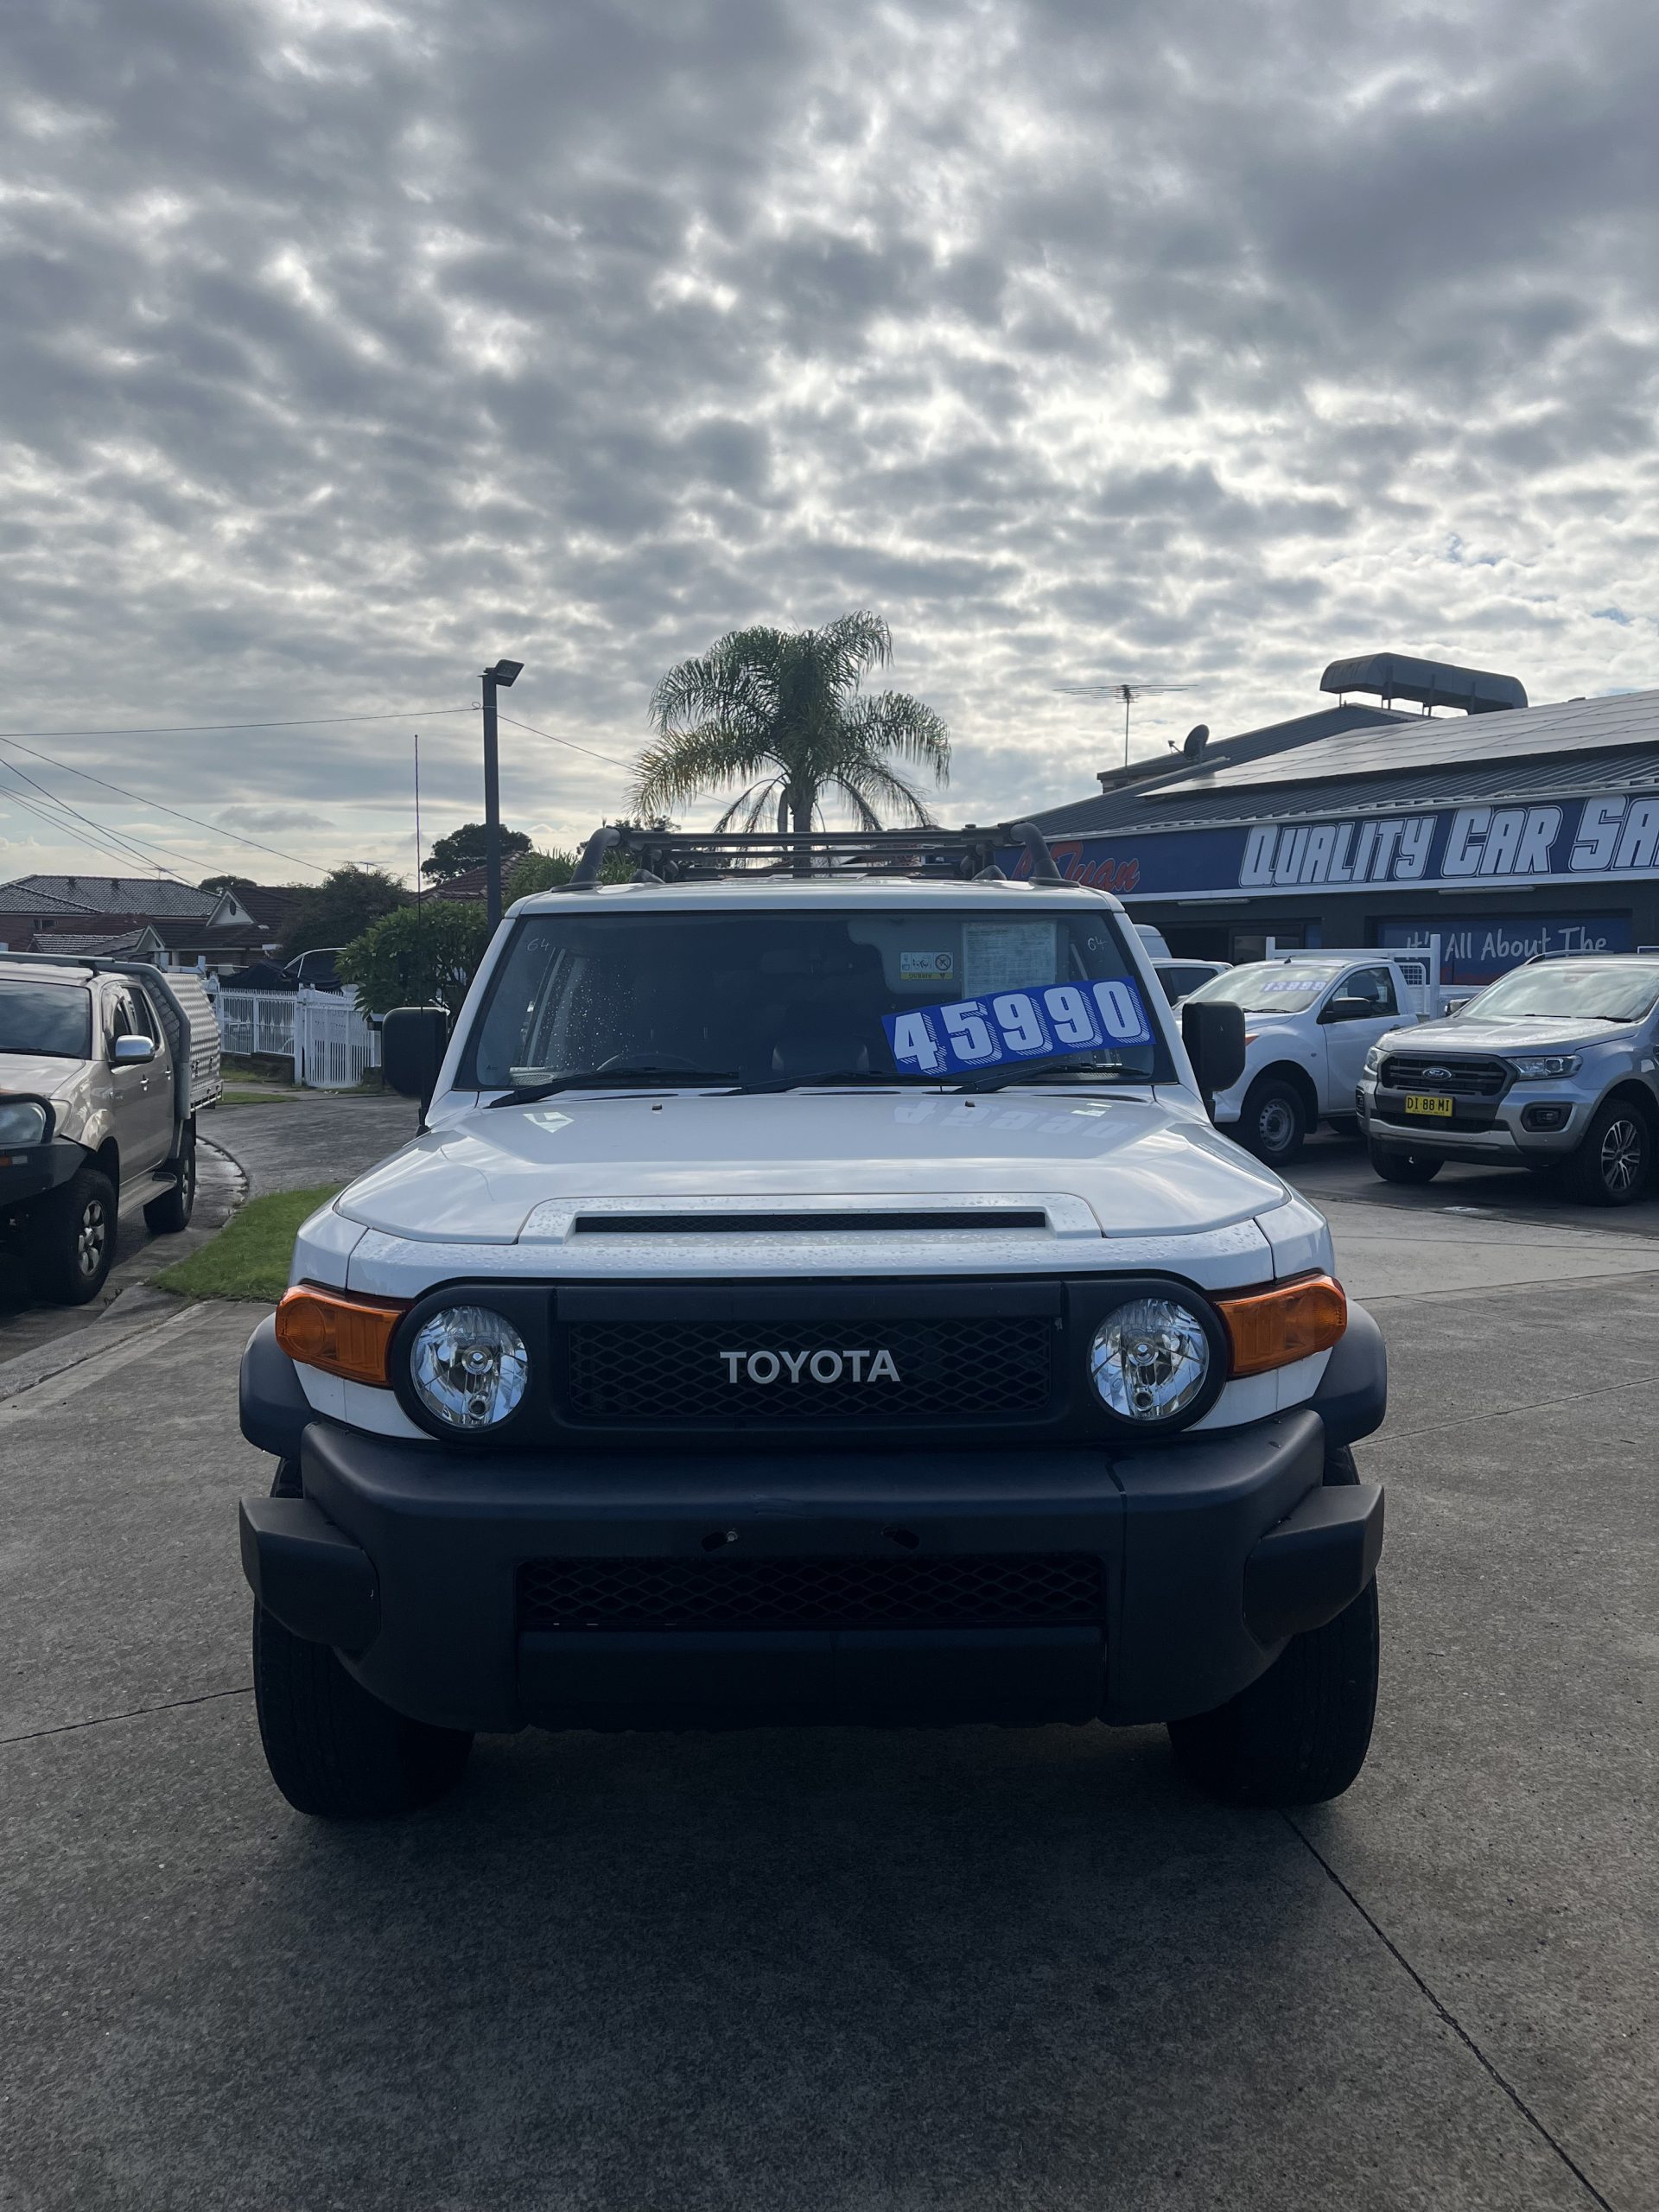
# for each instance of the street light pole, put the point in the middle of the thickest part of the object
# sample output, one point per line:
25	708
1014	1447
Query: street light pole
504	673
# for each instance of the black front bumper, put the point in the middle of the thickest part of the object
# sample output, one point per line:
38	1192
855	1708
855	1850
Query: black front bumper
407	1559
33	1170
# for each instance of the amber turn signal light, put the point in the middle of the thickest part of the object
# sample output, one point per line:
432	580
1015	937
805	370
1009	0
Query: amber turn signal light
340	1334
1274	1327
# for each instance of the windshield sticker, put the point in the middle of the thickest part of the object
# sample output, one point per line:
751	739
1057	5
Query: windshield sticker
999	956
1311	979
1043	1021
927	968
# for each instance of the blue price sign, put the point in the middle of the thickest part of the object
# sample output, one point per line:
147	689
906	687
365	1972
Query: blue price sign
1038	1024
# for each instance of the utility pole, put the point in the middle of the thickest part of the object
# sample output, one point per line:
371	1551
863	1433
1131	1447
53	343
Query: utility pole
504	673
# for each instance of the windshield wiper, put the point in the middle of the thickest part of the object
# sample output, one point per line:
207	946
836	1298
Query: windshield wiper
630	1078
1047	1071
828	1076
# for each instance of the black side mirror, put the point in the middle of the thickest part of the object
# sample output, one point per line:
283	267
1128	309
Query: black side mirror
413	1040
1213	1033
1352	1010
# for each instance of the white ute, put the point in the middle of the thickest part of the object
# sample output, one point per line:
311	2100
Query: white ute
817	1295
1311	1018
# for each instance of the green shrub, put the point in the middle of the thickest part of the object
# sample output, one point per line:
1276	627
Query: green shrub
420	956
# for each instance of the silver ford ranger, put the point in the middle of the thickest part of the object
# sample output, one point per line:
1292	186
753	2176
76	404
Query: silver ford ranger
1553	1067
104	1066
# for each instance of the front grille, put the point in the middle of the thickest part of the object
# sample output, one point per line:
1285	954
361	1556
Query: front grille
973	1590
964	1369
1464	1078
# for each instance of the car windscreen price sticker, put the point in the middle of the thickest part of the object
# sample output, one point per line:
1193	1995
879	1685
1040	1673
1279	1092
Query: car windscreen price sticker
1043	1023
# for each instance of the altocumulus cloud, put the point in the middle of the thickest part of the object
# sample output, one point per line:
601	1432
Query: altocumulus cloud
346	341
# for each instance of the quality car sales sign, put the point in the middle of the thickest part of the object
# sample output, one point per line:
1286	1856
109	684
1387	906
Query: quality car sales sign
1574	841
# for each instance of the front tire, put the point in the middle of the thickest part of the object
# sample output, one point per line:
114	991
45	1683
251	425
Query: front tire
1299	1734
73	1241
171	1212
1614	1164
334	1751
1404	1166
1274	1120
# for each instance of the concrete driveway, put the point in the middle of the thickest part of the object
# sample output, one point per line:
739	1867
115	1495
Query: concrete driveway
979	1969
245	1151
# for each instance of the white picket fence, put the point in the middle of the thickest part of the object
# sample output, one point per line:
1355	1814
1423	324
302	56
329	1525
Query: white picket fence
256	1021
335	1046
332	1044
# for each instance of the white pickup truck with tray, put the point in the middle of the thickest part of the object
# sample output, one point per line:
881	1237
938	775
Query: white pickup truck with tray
1310	1019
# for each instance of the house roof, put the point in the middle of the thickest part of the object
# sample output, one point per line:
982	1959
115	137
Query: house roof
270	904
95	946
24	896
471	883
193	936
108	894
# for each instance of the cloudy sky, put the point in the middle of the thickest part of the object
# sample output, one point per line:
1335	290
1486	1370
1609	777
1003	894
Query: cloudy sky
345	344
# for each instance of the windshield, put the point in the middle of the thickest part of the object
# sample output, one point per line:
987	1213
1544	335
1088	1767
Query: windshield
1610	990
1272	985
53	1020
773	994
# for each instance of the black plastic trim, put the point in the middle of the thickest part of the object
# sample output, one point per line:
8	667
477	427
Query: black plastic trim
1352	1399
309	1573
274	1408
1319	1559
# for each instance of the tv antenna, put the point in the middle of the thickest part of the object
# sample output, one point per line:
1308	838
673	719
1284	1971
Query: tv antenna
1128	692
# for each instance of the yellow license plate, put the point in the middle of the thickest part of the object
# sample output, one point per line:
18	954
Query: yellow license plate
1428	1102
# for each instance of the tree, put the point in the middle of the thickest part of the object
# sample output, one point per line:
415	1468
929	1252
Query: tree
541	871
417	955
223	883
340	907
779	712
466	848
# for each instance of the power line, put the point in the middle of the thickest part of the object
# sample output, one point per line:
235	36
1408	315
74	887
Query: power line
64	829
108	840
187	730
160	806
142	847
609	759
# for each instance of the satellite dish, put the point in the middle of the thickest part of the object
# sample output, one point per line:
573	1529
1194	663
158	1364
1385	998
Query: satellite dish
1197	739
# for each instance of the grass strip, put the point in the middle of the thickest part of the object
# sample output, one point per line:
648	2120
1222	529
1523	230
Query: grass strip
251	1255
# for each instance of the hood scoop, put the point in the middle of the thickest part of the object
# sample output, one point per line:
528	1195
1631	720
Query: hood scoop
798	1224
734	1219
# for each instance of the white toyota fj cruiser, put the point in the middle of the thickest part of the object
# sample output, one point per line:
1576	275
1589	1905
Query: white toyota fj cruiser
817	1295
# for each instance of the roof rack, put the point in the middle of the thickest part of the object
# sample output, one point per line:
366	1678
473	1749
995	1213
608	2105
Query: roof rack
694	855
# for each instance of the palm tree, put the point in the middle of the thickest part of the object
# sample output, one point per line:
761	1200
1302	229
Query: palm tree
778	711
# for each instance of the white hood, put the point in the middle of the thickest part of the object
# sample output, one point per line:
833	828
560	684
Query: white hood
1131	1166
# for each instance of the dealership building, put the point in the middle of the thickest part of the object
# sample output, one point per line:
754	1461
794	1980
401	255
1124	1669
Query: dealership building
1506	829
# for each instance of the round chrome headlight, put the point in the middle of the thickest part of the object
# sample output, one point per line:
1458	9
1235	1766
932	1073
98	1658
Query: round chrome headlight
469	1366
1150	1359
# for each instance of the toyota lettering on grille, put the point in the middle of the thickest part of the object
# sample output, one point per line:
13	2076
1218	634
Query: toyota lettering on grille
821	1366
